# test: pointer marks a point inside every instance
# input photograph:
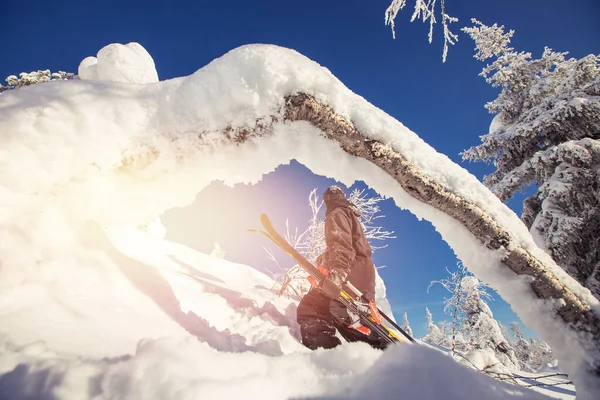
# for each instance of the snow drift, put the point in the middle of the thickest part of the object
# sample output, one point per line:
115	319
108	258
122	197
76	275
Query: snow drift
118	149
191	326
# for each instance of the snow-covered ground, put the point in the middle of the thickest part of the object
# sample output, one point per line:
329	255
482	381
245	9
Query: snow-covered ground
88	311
178	324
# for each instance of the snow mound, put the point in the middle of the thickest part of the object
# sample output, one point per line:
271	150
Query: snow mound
193	326
129	63
167	369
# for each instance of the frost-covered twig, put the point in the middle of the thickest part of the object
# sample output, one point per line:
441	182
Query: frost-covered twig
311	242
391	12
425	10
449	37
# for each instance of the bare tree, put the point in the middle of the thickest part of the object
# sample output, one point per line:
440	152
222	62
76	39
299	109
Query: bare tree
311	242
454	304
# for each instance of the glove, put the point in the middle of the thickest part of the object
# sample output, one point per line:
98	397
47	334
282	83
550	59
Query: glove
331	286
313	281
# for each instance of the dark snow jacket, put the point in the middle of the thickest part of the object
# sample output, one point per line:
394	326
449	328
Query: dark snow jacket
348	249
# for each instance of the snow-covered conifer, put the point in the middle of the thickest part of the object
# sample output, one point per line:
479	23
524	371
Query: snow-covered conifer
540	354
406	325
479	325
473	324
434	334
521	346
546	132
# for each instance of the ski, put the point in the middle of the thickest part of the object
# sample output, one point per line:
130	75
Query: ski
349	295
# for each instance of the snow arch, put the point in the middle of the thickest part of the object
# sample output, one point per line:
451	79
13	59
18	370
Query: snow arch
122	151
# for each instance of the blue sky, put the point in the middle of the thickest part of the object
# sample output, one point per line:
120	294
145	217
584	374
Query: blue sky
405	77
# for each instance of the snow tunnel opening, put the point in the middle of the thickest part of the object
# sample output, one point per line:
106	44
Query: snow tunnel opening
249	160
216	223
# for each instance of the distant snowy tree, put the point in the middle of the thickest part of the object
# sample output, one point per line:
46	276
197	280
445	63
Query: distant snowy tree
540	354
311	242
521	346
453	305
425	9
406	325
473	324
483	330
218	251
429	318
546	133
533	354
31	78
434	334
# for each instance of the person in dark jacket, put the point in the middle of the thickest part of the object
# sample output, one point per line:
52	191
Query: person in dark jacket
347	258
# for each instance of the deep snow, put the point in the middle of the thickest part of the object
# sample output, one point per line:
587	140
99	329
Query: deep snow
201	327
118	148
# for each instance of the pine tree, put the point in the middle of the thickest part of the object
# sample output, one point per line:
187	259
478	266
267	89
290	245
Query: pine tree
540	354
546	133
474	328
434	333
406	325
479	325
521	346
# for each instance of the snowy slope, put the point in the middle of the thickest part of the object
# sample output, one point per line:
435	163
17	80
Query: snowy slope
118	149
193	326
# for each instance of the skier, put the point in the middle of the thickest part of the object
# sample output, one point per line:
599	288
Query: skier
346	259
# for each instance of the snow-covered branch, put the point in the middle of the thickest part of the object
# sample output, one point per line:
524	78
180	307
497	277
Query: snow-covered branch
425	10
31	78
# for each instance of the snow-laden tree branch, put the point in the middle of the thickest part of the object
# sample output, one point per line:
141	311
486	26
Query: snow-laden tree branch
31	78
425	10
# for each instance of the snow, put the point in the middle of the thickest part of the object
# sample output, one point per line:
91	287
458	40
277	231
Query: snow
238	340
129	63
116	149
497	124
167	369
